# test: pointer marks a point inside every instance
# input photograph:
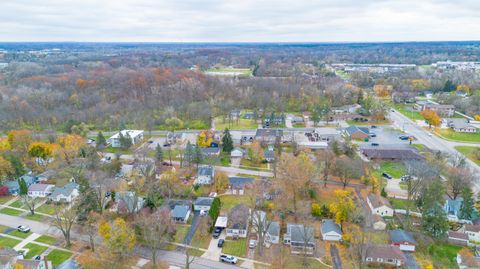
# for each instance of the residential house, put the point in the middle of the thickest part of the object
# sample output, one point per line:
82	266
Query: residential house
135	135
378	223
202	204
237	185
297	119
473	232
460	125
458	238
331	231
346	109
128	202
273	120
65	194
379	205
392	154
249	115
210	151
355	132
269	154
33	264
181	213
14	187
269	136
467	261
235	113
323	134
45	176
384	254
271	229
402	239
238	219
452	208
300	239
39	190
221	222
205	175
237	153
272	236
8	258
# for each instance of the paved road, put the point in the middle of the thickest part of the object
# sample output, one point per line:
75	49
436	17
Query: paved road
433	142
411	263
337	262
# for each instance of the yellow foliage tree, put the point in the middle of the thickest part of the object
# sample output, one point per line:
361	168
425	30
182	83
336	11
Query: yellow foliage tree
221	181
20	140
69	146
5	168
382	90
204	139
431	117
463	88
4	145
420	84
343	205
477	117
118	237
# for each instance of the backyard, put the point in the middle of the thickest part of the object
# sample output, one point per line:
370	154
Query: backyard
229	201
34	250
395	169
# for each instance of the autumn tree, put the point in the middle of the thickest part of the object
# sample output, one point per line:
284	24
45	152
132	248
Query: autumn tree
255	152
431	117
119	238
174	124
42	151
457	180
63	219
204	139
101	142
6	169
221	181
327	162
20	140
347	169
70	146
343	206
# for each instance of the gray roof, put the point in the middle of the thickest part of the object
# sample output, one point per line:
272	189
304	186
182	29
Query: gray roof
300	233
209	151
180	211
459	123
398	154
353	129
269	133
452	207
238	217
274	228
399	236
329	225
205	170
239	182
204	201
65	190
269	154
172	203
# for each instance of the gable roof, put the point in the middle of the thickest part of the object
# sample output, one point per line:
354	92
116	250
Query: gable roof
180	211
205	170
378	201
353	129
457	235
240	182
329	225
210	150
65	190
238	217
40	187
274	228
172	203
385	252
472	228
205	201
300	233
399	154
269	133
400	236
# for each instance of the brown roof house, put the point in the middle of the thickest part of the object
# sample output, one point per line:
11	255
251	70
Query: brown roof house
354	132
384	254
392	154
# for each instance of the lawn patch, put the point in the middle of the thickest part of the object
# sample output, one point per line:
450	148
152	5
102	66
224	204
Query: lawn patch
8	242
200	241
34	250
10	211
445	253
402	204
20	234
469	152
240	124
295	262
46	209
4	199
235	247
46	240
395	169
35	217
57	257
181	232
229	201
462	137
17	204
413	115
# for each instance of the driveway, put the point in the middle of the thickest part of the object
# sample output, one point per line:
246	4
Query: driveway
411	263
213	252
393	189
193	228
337	261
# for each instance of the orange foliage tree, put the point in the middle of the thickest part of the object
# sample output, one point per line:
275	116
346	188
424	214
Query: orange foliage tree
431	117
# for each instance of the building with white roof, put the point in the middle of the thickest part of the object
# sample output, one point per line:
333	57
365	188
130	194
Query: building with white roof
135	135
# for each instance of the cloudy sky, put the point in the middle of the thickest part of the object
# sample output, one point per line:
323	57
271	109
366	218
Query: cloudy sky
239	20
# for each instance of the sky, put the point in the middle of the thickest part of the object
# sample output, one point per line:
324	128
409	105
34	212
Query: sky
239	21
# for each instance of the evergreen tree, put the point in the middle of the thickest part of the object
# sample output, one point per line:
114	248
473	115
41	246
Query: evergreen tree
101	141
198	157
449	86
227	142
125	141
159	153
18	168
434	218
215	209
23	187
190	152
467	208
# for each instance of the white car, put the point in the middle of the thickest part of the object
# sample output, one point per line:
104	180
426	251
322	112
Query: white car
23	229
252	243
228	259
429	134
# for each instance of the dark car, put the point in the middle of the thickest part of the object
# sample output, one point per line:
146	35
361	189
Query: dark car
375	144
220	243
150	141
217	232
386	175
166	164
403	137
373	135
373	126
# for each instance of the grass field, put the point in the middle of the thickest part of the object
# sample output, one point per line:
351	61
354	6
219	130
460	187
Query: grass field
17	204
229	201
46	209
36	217
46	240
57	257
462	137
249	163
235	247
402	204
8	242
10	211
413	115
469	152
240	124
394	169
445	253
20	234
34	250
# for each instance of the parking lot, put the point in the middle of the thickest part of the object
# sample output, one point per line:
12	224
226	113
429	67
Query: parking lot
386	137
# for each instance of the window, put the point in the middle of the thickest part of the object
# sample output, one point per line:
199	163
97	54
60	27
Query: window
369	259
390	260
379	260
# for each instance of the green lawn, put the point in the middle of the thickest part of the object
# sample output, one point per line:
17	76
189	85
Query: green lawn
242	71
445	253
462	137
46	240
20	234
182	231
249	163
295	262
402	204
200	241
420	147
413	115
240	124
4	228
469	152
8	242
57	257
36	217
235	247
394	169
229	201
34	250
17	204
4	199
46	209
117	150
10	211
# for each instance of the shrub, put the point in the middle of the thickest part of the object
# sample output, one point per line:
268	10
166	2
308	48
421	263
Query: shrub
316	210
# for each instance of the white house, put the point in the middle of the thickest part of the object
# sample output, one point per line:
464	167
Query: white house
40	190
135	135
379	205
330	230
65	194
238	220
473	232
402	239
237	153
205	175
202	204
272	236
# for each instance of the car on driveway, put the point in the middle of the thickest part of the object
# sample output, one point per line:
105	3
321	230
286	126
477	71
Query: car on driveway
373	126
403	137
217	232
375	144
23	229
251	243
386	175
220	243
228	259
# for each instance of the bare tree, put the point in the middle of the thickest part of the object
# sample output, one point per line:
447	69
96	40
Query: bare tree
63	219
327	162
101	185
458	178
30	202
347	169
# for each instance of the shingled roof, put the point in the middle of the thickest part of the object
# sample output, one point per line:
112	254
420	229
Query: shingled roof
378	201
394	154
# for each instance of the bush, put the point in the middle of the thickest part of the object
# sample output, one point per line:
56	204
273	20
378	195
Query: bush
312	193
4	191
316	210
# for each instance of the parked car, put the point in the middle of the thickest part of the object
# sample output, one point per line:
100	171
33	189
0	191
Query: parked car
228	259
220	243
373	135
23	229
375	144
167	145
373	126
405	178
150	141
203	213
429	134
386	175
166	164
217	232
37	258
403	137
251	243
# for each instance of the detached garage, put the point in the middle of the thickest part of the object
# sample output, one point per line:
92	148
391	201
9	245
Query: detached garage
331	231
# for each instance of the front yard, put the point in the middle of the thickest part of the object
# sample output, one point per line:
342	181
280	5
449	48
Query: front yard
57	257
461	137
10	211
236	248
34	250
469	152
8	242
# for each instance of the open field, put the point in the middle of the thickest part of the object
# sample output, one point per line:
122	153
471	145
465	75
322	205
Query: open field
238	124
229	71
413	115
461	137
469	152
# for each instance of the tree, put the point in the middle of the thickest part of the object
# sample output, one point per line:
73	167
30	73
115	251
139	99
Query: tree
431	117
343	206
19	140
449	86
17	165
41	150
159	153
468	205
169	183
189	154
204	139
63	219
6	169
101	141
156	230
27	200
347	169
327	162
457	180
256	152
70	146
434	219
118	238
174	124
215	209
227	142
221	181
125	141
198	157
